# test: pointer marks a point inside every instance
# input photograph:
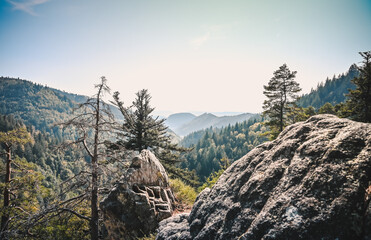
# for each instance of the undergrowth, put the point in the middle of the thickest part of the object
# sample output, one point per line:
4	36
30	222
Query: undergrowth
183	192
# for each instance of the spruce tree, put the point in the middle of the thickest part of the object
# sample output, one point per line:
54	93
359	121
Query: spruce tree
359	103
281	92
141	130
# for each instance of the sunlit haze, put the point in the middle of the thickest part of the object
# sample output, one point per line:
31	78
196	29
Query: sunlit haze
194	55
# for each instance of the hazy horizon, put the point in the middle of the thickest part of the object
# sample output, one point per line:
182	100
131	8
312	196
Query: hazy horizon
193	56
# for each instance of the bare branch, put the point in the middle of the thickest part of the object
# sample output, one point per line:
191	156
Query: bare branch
87	148
75	213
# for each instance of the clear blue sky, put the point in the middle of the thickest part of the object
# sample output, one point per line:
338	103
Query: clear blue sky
192	55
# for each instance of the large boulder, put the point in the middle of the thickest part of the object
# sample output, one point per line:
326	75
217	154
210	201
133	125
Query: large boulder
309	183
140	200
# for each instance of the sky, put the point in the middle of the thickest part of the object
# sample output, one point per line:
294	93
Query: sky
192	55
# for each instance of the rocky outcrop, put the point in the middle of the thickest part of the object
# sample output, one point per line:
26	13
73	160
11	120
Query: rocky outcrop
141	199
309	183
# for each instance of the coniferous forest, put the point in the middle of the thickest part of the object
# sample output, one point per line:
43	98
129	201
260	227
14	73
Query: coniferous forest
48	147
185	120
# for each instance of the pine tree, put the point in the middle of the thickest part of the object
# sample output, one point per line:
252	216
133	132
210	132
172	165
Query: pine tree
281	92
327	108
141	130
359	102
9	139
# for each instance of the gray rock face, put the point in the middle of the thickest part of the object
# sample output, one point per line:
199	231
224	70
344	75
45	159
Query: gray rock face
141	199
310	183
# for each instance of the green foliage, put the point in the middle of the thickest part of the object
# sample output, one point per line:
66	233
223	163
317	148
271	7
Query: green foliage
359	102
28	194
343	110
189	177
8	123
327	108
281	92
192	138
33	103
214	177
16	136
63	226
183	192
141	130
230	142
42	152
37	171
299	114
150	237
332	90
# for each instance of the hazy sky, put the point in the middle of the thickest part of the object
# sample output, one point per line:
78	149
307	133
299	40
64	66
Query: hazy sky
192	55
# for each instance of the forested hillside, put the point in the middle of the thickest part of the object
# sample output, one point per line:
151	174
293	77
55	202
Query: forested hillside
42	151
38	171
38	105
33	103
230	142
332	90
46	177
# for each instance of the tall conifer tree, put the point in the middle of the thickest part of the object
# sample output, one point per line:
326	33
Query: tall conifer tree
359	103
141	130
281	92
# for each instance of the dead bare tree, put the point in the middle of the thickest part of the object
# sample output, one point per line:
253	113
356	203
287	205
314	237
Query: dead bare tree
94	124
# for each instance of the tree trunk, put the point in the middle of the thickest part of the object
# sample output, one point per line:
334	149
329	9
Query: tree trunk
368	99
94	222
5	216
281	114
94	230
281	119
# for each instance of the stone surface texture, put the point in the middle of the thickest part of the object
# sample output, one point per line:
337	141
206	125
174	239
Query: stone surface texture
140	200
309	183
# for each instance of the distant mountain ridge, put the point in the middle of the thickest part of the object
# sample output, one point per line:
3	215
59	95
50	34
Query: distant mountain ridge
176	120
185	123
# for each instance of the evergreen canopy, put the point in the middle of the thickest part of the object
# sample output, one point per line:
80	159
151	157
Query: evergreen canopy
281	92
359	102
141	130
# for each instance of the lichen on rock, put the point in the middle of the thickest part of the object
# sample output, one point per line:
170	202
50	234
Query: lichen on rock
309	183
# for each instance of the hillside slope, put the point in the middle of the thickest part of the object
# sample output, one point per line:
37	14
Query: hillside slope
35	104
332	91
38	105
230	142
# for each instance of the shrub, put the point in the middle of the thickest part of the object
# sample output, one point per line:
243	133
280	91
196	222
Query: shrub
183	192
